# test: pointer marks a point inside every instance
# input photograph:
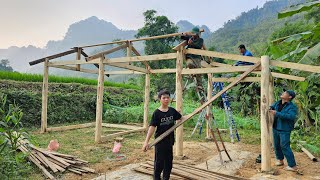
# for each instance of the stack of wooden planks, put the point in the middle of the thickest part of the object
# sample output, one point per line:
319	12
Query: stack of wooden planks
53	161
183	171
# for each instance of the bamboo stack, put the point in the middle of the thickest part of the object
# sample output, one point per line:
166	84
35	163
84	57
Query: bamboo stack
182	171
53	161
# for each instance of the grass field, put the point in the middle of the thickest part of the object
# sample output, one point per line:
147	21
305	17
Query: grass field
16	76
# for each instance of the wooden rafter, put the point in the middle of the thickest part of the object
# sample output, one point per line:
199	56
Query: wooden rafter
297	66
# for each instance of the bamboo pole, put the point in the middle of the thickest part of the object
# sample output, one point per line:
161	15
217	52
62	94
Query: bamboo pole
314	159
179	88
44	97
78	57
271	101
265	127
99	102
146	101
209	96
142	39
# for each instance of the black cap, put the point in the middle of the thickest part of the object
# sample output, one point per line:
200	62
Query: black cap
242	46
291	93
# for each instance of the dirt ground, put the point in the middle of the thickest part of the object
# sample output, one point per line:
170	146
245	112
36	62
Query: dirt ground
198	153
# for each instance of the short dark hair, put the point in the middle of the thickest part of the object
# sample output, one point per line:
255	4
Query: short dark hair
163	92
242	46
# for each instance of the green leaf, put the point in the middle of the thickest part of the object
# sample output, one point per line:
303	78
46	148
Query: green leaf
275	51
303	85
298	9
296	51
316	32
297	37
311	55
294	37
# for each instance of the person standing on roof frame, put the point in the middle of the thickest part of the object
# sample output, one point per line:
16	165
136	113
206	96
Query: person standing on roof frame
194	61
244	52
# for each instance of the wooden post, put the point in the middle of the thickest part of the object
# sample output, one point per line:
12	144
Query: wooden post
271	101
265	124
78	58
44	96
209	96
99	102
179	131
129	50
146	101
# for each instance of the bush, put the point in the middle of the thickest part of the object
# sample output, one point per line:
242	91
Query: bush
12	162
67	103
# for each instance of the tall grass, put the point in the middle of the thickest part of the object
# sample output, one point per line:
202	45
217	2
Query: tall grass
16	76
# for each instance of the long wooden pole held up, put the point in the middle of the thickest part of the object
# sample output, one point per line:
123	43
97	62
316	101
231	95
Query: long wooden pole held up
185	118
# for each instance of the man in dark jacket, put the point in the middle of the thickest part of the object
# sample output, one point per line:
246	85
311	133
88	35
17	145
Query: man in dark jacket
194	61
285	114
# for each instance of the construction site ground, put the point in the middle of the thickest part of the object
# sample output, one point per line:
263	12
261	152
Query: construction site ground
197	151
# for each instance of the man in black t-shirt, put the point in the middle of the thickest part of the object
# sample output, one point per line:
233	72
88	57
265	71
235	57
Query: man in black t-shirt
163	119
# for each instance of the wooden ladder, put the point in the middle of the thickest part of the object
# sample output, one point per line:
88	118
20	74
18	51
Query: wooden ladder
203	98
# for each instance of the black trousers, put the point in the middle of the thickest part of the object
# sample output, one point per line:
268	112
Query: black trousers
163	161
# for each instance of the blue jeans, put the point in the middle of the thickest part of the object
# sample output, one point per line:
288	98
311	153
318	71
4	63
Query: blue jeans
282	146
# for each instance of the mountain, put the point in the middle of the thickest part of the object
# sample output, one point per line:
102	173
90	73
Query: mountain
185	26
252	28
85	32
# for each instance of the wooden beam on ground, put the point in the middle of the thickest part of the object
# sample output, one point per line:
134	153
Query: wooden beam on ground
146	101
121	126
123	72
179	100
109	51
45	83
185	118
297	66
99	108
264	115
70	127
75	69
111	136
51	57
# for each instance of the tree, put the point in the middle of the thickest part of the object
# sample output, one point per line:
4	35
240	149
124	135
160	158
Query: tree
159	25
300	42
5	65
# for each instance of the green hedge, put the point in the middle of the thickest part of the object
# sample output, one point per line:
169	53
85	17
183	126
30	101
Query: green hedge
67	103
16	76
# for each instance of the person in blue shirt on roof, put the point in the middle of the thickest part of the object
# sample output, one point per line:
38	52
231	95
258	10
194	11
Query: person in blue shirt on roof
244	52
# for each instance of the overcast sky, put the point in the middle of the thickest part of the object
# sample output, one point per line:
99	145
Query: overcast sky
34	22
